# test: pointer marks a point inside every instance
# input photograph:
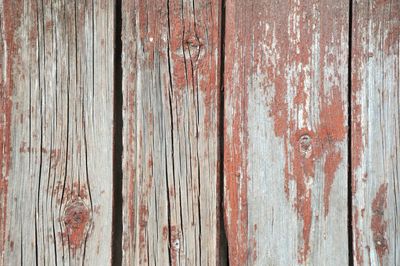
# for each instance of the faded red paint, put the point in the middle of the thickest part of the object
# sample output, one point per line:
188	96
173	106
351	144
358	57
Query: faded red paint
76	219
253	245
165	232
378	222
236	178
143	218
357	145
10	17
130	167
356	244
66	193
174	245
332	162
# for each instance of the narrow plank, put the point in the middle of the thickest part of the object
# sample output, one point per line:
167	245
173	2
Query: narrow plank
285	131
375	132
56	132
170	136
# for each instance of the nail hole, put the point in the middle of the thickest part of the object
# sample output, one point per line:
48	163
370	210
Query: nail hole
305	145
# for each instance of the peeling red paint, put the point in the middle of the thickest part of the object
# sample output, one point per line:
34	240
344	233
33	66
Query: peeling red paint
332	162
305	145
236	138
378	222
165	232
236	178
130	167
357	233
174	245
300	168
357	145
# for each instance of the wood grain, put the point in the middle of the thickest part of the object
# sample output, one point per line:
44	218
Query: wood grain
56	132
285	130
170	137
375	132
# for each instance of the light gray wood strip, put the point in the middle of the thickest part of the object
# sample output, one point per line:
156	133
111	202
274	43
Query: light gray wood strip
375	132
57	76
171	112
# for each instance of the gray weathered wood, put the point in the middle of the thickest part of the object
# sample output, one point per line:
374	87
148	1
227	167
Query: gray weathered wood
56	132
285	149
375	132
170	136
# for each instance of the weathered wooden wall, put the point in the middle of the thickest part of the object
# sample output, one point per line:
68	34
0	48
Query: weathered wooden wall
375	132
56	132
273	122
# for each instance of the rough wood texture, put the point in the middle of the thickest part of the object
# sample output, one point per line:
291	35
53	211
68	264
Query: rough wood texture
56	132
171	112
375	132
285	150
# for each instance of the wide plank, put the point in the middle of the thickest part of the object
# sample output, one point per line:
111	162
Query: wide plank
285	132
171	92
375	102
56	132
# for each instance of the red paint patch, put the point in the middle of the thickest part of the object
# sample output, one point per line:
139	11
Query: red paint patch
378	223
236	178
174	245
165	233
359	253
332	162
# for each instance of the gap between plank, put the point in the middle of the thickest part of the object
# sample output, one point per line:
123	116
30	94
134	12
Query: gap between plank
349	151
117	227
223	243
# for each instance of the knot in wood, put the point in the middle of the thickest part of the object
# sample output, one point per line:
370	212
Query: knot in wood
175	244
305	145
193	44
76	219
380	242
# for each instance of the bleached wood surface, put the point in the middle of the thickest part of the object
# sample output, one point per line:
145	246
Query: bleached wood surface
375	132
56	132
171	113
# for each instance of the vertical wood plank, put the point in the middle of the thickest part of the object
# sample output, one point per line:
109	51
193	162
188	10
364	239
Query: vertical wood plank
375	132
56	132
170	136
285	150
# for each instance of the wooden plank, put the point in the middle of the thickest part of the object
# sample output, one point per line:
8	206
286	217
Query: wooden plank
170	136
375	132
285	149
56	132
